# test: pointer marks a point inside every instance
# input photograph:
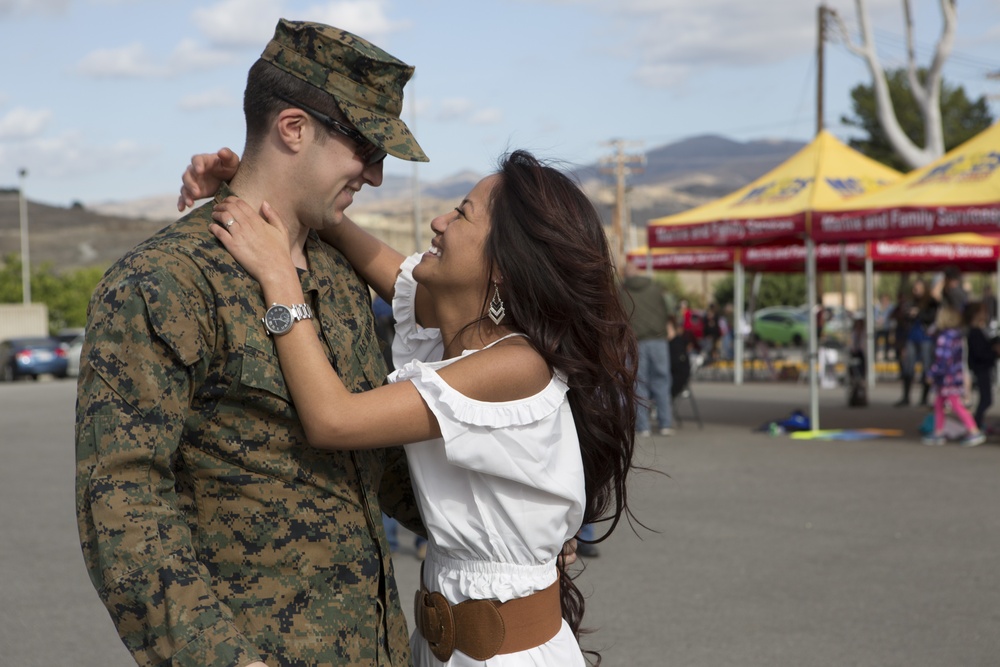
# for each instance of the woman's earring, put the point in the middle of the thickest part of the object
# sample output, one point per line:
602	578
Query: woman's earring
497	312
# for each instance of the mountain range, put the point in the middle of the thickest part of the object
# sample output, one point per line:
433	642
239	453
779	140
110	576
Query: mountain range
673	178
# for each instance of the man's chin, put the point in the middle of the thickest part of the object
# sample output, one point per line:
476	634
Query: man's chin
336	217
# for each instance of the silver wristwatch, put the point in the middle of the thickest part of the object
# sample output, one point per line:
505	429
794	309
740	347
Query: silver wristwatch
279	318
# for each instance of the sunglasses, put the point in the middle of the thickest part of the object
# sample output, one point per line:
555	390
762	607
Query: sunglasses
366	151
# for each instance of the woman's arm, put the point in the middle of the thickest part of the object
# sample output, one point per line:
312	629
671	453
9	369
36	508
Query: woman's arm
333	417
375	261
378	265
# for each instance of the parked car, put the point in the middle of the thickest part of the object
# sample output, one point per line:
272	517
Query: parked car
73	350
67	336
781	325
31	357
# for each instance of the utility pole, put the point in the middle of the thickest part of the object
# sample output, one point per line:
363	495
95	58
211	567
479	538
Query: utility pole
417	213
994	76
820	40
621	165
25	259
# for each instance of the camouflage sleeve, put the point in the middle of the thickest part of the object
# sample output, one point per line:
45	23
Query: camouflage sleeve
146	340
396	492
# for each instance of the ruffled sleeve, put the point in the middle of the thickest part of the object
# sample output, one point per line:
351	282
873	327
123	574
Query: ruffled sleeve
511	439
411	341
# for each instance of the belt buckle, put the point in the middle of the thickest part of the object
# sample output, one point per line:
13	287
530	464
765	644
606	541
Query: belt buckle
436	623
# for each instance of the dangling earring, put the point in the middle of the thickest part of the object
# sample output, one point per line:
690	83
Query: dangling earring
497	312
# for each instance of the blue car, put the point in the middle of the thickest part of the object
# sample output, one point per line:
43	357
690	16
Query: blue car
31	357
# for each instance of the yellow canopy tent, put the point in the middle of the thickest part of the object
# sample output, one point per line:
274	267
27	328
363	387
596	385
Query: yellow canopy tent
774	208
959	192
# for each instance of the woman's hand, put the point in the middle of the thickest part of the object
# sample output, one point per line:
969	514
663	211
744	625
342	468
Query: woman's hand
205	174
261	246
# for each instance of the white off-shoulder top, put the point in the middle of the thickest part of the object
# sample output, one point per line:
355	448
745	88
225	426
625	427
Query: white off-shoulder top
500	491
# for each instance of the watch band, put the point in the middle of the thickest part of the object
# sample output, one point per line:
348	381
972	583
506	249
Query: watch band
300	311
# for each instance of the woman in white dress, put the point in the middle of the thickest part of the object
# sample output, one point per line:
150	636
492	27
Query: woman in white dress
513	395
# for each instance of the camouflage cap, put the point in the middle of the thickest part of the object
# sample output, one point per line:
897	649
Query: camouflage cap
366	81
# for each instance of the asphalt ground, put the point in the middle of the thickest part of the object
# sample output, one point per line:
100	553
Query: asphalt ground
760	550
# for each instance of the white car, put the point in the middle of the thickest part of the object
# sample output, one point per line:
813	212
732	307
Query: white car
73	350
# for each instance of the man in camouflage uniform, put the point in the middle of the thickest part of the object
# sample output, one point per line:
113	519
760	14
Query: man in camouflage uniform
214	534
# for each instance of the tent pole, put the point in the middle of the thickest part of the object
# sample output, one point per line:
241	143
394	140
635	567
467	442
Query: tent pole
870	322
843	278
812	357
736	327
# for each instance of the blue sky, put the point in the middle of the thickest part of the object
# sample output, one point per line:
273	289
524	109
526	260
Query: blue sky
105	100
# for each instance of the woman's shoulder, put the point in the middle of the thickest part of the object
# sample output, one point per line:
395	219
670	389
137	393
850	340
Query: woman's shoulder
510	370
495	387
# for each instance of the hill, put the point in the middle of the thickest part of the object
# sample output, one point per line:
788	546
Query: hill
675	177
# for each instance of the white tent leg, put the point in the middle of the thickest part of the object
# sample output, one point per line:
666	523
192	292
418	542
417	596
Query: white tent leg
812	357
736	326
870	321
996	295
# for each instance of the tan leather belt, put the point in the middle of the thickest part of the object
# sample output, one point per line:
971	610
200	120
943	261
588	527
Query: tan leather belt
482	629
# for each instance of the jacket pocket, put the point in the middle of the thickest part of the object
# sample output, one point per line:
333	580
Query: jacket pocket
261	371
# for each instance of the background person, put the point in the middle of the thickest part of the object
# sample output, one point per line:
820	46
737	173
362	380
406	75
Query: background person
982	358
949	379
916	314
883	327
643	301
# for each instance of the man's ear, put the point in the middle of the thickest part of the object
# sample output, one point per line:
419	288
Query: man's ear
291	128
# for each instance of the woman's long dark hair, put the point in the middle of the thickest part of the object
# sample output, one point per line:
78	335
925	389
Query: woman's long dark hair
559	286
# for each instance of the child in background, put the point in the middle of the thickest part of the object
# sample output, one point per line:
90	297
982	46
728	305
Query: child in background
948	378
982	357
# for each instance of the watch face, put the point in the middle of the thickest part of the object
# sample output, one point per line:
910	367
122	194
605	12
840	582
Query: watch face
278	319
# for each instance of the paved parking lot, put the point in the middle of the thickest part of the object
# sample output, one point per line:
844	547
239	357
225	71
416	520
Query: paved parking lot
760	551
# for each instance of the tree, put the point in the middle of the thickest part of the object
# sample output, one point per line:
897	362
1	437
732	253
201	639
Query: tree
961	118
776	289
66	295
925	92
673	290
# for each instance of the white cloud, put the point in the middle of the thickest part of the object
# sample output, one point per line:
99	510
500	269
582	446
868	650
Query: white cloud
423	107
671	39
191	56
367	18
126	62
463	110
71	156
21	123
454	109
134	62
211	99
486	117
238	23
33	7
661	75
250	23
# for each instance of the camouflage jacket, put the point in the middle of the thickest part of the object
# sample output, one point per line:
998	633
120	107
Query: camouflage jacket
213	533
